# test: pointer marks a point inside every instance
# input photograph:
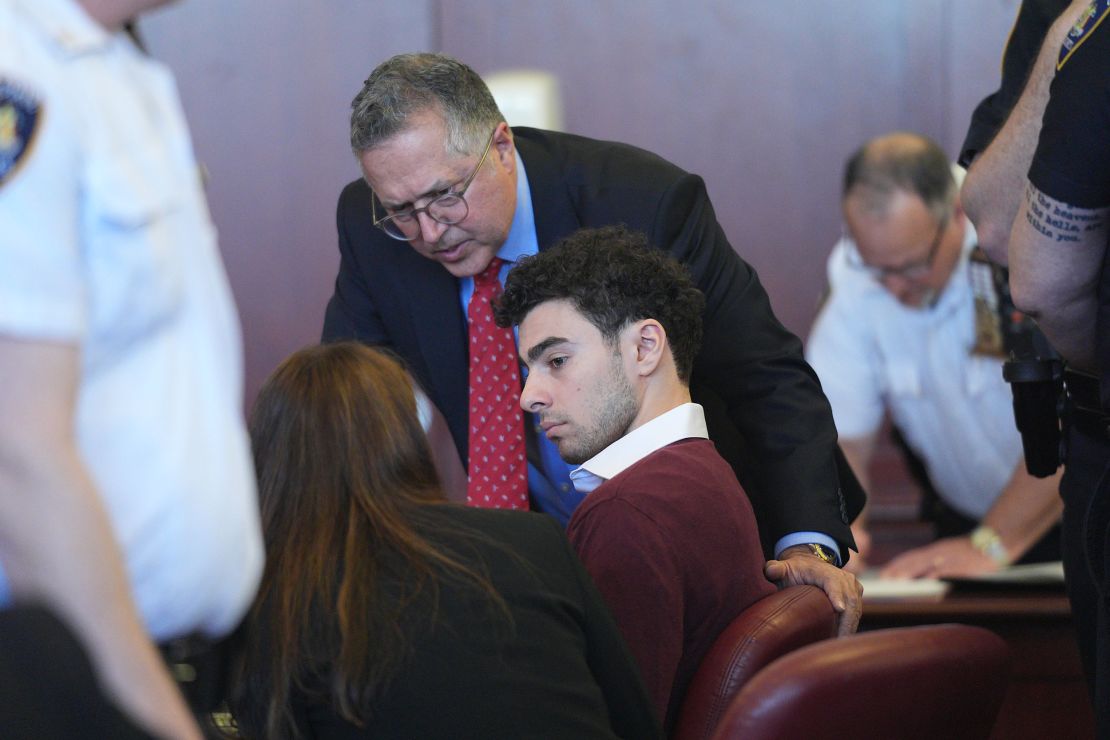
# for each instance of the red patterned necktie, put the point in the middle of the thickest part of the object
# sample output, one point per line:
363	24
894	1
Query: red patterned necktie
497	466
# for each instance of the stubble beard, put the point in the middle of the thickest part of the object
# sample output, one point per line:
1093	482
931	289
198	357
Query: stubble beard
617	411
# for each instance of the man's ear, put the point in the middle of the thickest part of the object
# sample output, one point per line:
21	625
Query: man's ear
651	345
503	147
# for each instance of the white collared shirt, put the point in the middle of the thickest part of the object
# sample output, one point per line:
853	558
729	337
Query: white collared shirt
682	422
108	246
953	407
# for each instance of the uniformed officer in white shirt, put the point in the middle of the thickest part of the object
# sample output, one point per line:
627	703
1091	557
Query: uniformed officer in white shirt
903	331
127	498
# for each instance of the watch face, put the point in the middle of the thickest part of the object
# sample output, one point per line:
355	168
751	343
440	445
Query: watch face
822	553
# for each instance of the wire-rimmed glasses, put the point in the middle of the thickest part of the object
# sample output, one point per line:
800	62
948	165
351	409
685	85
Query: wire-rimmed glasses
912	271
447	207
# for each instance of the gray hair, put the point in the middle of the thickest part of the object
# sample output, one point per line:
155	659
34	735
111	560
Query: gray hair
410	84
901	162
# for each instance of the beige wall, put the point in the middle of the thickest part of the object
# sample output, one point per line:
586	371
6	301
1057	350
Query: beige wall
763	98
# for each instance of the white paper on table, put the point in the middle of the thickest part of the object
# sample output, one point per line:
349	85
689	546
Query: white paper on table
883	589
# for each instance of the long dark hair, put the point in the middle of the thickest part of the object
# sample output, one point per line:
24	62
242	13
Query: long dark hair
345	483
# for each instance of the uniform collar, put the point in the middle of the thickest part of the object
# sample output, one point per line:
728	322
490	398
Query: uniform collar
68	24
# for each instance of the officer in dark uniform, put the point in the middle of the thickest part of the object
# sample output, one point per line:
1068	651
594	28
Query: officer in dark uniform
1033	21
998	158
1060	274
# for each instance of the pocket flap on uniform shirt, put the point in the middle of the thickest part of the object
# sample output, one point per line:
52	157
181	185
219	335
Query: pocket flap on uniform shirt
131	190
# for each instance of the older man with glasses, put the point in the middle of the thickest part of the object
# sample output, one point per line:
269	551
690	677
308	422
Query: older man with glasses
452	197
916	324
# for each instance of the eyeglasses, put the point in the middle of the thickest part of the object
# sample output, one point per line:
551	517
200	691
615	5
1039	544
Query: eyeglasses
912	271
446	208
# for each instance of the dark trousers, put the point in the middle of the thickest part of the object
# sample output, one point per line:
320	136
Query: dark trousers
1086	492
48	688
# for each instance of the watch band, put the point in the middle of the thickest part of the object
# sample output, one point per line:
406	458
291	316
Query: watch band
987	541
823	553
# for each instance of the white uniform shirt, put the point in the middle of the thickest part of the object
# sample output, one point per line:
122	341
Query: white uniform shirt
954	408
106	243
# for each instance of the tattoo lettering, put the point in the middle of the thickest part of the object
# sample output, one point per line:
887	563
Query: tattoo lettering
1059	222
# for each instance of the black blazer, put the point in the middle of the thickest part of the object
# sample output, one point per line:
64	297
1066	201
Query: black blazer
560	670
763	403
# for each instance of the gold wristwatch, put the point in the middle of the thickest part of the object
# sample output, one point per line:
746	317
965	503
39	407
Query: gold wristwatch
822	552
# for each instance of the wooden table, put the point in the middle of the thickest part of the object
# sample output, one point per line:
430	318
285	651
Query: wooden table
1047	697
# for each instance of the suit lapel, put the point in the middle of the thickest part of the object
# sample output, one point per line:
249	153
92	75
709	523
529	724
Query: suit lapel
431	298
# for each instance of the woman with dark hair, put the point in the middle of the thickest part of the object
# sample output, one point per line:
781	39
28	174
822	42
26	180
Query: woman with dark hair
385	611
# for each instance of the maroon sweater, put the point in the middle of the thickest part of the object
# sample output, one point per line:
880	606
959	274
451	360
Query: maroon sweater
673	547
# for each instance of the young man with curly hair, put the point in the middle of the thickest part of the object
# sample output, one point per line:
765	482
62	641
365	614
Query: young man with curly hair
608	330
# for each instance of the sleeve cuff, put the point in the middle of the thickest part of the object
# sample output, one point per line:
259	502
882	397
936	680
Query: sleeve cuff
805	538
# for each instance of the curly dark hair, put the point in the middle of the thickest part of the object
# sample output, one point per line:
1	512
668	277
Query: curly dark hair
613	277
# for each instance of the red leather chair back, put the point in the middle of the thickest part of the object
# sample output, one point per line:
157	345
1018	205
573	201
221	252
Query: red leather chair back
768	629
940	681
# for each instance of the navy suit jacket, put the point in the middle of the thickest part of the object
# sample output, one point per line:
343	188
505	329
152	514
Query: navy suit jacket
763	403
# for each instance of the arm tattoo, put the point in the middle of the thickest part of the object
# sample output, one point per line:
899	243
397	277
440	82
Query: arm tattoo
1059	222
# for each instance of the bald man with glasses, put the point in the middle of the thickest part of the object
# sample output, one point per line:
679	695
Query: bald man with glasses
911	327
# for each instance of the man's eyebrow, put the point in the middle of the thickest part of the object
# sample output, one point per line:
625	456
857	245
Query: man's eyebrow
439	188
540	347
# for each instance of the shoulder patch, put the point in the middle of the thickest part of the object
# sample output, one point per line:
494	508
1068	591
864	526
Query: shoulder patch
20	116
1085	25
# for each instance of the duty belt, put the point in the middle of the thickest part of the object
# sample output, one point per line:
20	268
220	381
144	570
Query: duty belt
199	666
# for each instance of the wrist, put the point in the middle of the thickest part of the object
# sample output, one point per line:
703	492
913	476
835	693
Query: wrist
987	541
811	549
